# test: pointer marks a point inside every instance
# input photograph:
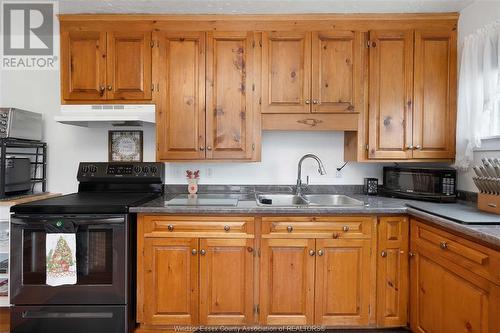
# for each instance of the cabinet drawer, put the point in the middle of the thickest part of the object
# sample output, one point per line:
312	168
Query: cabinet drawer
192	226
317	227
472	256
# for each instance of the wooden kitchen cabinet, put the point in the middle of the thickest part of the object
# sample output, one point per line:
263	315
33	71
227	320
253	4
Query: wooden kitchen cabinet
101	66
435	105
316	270
129	65
215	70
83	65
306	72
287	281
446	296
226	281
286	72
343	276
390	89
412	109
393	271
337	78
195	270
181	110
230	117
169	292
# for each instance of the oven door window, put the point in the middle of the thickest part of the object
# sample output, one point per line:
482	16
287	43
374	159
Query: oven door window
94	256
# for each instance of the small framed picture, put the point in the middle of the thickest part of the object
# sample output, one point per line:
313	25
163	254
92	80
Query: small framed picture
125	146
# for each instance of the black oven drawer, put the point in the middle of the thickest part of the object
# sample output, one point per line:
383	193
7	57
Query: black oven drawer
74	319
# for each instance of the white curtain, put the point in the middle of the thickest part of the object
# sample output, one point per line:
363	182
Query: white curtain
478	92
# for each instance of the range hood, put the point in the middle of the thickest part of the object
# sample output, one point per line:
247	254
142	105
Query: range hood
116	114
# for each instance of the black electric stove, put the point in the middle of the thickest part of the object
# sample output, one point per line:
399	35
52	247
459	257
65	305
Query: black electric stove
102	299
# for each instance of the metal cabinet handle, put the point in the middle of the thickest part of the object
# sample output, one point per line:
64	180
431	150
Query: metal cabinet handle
410	147
202	148
110	87
203	252
209	147
193	252
418	147
312	253
383	254
345	228
411	254
320	253
227	228
307	101
170	227
443	245
289	228
315	101
101	90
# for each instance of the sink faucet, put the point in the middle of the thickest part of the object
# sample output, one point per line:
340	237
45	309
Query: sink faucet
321	170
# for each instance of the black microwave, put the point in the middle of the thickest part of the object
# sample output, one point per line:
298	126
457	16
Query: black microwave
420	183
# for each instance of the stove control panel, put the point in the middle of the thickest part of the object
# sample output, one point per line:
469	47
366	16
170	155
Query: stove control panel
93	171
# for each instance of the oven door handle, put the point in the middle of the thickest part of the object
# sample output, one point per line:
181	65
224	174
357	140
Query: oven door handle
76	222
65	315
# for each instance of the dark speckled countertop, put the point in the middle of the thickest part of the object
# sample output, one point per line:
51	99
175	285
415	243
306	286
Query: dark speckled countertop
442	215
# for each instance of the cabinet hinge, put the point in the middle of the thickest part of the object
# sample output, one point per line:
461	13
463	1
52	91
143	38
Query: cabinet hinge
256	309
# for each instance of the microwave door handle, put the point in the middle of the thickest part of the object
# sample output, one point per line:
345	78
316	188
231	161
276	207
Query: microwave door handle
66	315
25	222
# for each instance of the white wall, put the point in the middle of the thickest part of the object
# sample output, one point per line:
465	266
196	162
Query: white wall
473	17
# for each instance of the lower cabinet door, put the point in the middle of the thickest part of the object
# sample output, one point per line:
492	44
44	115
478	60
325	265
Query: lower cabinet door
448	302
226	281
287	282
392	271
170	281
343	271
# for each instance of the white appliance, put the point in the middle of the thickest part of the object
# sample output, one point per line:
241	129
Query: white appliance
116	114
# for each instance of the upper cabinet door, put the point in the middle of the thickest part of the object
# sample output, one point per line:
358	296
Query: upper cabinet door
129	65
336	71
83	65
286	72
435	94
391	83
226	295
230	115
180	114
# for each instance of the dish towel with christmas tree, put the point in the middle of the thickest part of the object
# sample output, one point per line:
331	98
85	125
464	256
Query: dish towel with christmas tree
61	259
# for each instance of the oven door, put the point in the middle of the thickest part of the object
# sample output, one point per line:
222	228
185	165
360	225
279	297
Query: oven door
101	261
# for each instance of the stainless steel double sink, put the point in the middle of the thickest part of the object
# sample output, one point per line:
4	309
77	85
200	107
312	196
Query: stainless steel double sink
306	200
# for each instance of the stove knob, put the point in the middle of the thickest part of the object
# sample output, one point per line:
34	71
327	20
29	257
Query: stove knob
145	169
85	169
4	115
137	169
154	169
93	168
